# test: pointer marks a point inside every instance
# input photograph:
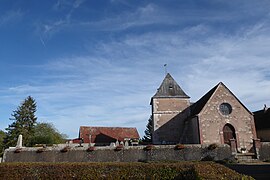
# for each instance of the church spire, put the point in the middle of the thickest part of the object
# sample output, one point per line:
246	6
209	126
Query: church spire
170	88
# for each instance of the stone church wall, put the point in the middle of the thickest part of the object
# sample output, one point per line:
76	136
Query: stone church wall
166	119
128	154
212	121
190	134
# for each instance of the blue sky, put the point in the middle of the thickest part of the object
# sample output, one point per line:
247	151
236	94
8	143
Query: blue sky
98	63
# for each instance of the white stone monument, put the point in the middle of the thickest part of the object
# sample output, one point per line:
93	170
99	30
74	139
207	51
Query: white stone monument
126	144
19	142
112	145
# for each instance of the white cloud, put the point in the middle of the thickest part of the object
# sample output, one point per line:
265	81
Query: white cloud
11	16
112	84
149	14
142	16
114	87
199	65
48	29
77	3
67	4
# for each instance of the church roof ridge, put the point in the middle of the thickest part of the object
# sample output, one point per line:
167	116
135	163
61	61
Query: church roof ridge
170	88
197	107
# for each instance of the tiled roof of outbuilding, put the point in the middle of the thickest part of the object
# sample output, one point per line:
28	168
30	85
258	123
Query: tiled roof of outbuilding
170	88
117	133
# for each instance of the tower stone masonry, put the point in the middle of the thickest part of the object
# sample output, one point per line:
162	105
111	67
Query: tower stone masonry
169	101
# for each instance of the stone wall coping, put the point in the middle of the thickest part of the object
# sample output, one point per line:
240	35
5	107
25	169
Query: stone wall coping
85	146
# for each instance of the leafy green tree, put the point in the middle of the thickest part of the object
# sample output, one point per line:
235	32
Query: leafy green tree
2	136
149	130
46	133
24	120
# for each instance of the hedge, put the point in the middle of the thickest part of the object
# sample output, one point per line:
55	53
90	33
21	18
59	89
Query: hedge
180	170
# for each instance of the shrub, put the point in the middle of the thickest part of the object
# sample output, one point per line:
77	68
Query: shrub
90	149
212	146
149	147
119	147
40	150
65	149
180	170
179	146
18	150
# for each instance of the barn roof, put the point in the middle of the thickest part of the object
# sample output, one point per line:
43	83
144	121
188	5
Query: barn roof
170	88
117	133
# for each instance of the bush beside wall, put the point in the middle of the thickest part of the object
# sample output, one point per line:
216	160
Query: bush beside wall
183	170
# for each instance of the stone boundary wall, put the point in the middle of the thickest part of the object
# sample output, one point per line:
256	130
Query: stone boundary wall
110	154
264	151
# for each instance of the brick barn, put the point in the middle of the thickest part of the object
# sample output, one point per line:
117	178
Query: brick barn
103	136
218	117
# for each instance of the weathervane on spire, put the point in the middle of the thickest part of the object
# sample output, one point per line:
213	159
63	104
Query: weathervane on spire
165	69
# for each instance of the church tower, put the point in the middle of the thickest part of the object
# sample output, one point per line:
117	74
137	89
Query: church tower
167	104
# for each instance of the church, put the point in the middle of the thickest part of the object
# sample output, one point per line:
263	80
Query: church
217	117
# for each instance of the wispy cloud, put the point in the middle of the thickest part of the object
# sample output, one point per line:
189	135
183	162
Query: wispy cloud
112	87
112	83
67	4
77	3
149	14
47	29
11	16
154	14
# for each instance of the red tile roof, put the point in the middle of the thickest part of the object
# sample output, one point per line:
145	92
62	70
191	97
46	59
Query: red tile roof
113	133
